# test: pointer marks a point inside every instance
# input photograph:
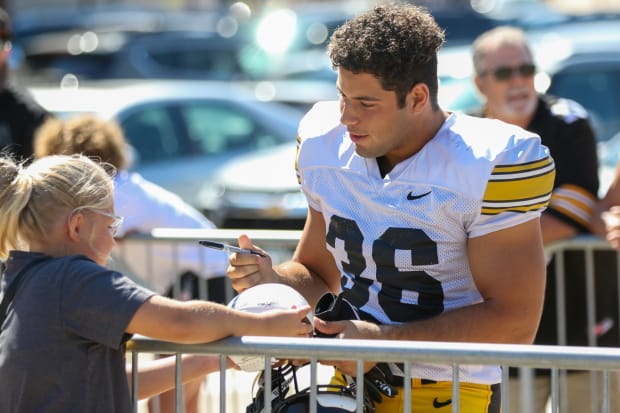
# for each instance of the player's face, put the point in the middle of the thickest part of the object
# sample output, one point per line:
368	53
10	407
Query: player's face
510	97
376	125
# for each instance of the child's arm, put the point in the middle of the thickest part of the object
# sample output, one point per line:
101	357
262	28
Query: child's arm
157	376
203	321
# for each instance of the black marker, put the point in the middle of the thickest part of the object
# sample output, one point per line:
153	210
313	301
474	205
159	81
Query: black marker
228	248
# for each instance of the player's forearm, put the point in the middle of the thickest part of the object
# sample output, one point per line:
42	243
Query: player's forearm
487	322
298	276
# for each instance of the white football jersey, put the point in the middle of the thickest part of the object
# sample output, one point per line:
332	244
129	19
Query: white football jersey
400	240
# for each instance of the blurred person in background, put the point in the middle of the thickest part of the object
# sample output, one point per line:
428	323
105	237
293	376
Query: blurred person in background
144	206
20	115
504	72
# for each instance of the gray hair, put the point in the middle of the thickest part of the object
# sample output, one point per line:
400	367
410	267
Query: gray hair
494	38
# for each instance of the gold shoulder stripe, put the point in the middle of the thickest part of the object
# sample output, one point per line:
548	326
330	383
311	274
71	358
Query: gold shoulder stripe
520	187
521	209
517	171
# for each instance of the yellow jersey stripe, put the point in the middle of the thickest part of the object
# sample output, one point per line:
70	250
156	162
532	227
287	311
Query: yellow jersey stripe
534	165
520	187
522	209
520	171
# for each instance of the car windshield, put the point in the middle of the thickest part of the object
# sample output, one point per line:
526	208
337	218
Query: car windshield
590	85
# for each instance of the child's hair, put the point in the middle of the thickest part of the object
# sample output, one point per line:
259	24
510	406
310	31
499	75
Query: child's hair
34	198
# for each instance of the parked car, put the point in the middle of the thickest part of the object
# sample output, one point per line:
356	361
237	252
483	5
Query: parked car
256	190
126	53
91	42
181	131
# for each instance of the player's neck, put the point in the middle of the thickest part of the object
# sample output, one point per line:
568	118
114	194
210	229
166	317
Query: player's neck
430	126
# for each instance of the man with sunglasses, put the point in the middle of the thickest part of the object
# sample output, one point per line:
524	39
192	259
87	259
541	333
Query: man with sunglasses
504	75
20	115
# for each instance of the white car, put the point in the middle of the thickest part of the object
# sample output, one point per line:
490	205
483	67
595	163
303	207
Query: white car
181	131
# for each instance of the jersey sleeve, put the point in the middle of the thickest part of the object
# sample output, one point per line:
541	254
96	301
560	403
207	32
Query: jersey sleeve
576	188
519	187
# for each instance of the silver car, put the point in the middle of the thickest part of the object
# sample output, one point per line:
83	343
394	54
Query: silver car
257	190
181	132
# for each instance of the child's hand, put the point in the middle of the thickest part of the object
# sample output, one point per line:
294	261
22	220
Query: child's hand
287	323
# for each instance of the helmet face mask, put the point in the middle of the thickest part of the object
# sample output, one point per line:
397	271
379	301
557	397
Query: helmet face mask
330	398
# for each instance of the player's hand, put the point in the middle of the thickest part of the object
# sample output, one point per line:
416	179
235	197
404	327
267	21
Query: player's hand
248	270
347	329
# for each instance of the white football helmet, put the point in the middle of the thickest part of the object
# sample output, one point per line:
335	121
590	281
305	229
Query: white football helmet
261	298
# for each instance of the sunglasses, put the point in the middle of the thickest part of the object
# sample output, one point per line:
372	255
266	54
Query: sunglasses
116	224
503	73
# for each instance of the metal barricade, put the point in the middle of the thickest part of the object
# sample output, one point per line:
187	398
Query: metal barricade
455	354
601	282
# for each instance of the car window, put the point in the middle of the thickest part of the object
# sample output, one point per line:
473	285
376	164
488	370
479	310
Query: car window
598	92
214	128
192	63
152	134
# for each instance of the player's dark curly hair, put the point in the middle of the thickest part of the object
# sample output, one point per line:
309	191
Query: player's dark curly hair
398	44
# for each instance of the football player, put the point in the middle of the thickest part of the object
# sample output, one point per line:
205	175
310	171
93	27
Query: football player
427	222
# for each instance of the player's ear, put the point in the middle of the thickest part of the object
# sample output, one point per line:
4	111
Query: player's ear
418	97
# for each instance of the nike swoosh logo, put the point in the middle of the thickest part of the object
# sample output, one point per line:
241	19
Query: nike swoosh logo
438	405
411	197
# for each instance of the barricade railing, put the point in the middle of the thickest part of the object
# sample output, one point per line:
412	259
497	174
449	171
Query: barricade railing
554	358
601	325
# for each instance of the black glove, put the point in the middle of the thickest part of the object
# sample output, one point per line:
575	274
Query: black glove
332	307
